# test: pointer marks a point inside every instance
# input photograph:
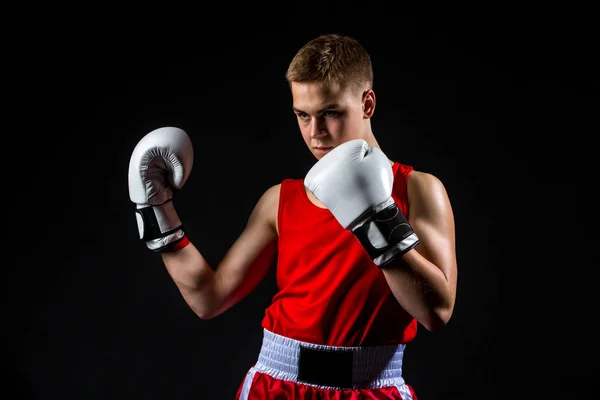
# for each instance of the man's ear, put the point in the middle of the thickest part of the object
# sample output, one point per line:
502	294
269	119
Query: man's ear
368	103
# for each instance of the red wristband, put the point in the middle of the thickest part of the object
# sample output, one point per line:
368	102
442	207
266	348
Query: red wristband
184	241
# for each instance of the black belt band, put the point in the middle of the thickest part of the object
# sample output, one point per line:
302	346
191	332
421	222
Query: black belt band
325	367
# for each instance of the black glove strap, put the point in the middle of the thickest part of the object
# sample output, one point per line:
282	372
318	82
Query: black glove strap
384	231
151	227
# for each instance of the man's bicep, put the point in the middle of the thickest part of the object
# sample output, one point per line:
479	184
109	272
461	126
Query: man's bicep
432	219
252	254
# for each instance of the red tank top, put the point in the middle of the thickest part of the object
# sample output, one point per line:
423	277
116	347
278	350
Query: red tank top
330	291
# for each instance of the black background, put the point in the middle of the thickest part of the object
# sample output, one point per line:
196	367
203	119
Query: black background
500	104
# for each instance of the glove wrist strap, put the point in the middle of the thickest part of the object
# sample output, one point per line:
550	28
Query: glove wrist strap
170	243
156	222
385	234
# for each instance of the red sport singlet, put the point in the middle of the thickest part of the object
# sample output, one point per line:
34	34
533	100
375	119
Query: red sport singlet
330	291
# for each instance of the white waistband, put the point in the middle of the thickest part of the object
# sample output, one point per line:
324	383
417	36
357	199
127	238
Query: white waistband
373	366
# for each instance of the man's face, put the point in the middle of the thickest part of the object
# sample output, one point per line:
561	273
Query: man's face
328	116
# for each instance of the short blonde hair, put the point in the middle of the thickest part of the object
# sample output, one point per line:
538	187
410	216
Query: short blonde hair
332	58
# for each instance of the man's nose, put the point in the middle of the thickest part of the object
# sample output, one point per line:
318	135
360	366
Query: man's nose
317	128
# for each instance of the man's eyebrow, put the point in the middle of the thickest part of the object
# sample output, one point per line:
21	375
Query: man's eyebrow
325	108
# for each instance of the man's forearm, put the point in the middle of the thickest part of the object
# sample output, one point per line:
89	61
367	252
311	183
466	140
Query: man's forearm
421	288
194	278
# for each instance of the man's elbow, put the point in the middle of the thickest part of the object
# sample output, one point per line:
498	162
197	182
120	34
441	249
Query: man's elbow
208	311
204	315
437	319
202	310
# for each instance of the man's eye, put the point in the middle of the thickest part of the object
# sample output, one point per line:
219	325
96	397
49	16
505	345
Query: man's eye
331	113
302	115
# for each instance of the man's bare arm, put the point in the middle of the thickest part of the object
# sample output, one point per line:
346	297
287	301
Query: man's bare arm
209	292
423	280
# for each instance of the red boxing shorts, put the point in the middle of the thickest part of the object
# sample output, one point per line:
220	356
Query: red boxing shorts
291	369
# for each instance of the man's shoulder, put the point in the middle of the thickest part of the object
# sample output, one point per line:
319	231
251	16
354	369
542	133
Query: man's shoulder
421	183
272	191
423	177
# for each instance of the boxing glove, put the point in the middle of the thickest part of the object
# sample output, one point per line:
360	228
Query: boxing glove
160	164
355	181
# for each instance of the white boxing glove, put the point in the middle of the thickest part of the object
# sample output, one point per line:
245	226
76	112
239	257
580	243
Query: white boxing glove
160	164
355	181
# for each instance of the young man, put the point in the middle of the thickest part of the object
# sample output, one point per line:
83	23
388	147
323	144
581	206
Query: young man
365	246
